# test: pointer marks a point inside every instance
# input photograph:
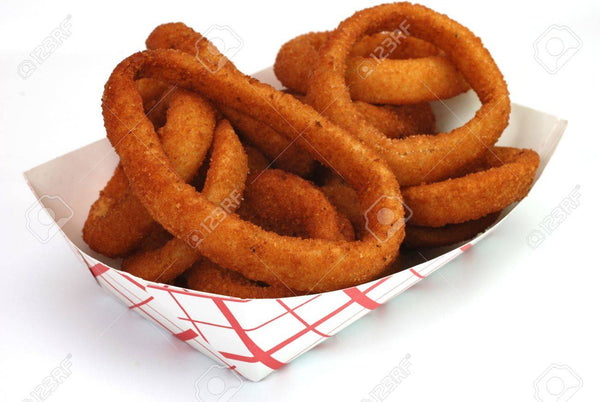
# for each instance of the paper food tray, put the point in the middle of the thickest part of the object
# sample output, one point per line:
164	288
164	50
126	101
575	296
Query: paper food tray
252	337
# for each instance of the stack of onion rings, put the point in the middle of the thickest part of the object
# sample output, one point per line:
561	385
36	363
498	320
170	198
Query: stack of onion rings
167	107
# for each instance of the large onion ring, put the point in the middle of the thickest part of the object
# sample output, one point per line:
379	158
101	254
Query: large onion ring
117	221
225	179
302	264
418	158
413	71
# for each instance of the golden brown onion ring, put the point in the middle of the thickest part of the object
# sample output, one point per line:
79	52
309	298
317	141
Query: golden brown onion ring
117	221
419	158
257	254
509	177
423	237
224	183
380	70
207	276
285	204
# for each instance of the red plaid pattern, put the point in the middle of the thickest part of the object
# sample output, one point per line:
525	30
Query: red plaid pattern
255	337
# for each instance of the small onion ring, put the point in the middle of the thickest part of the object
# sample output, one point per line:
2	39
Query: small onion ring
509	177
206	276
424	237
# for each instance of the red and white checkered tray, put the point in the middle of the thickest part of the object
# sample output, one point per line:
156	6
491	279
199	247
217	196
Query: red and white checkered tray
252	337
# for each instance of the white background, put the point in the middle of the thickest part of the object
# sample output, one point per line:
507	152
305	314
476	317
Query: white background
484	327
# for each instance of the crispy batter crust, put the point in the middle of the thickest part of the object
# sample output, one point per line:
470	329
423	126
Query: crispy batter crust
419	158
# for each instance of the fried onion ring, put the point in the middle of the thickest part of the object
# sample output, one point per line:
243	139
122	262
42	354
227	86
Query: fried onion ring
285	204
509	177
395	121
207	276
418	158
284	154
504	176
381	69
423	237
117	221
257	254
224	180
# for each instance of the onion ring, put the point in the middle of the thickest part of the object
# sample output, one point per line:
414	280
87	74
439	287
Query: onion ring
423	237
410	71
504	176
117	221
284	154
257	254
418	158
225	179
509	177
395	121
206	276
283	203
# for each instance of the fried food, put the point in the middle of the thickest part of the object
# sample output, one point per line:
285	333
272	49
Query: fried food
384	68
252	223
117	221
207	276
223	188
284	154
395	121
503	176
283	203
509	175
419	158
257	254
423	237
